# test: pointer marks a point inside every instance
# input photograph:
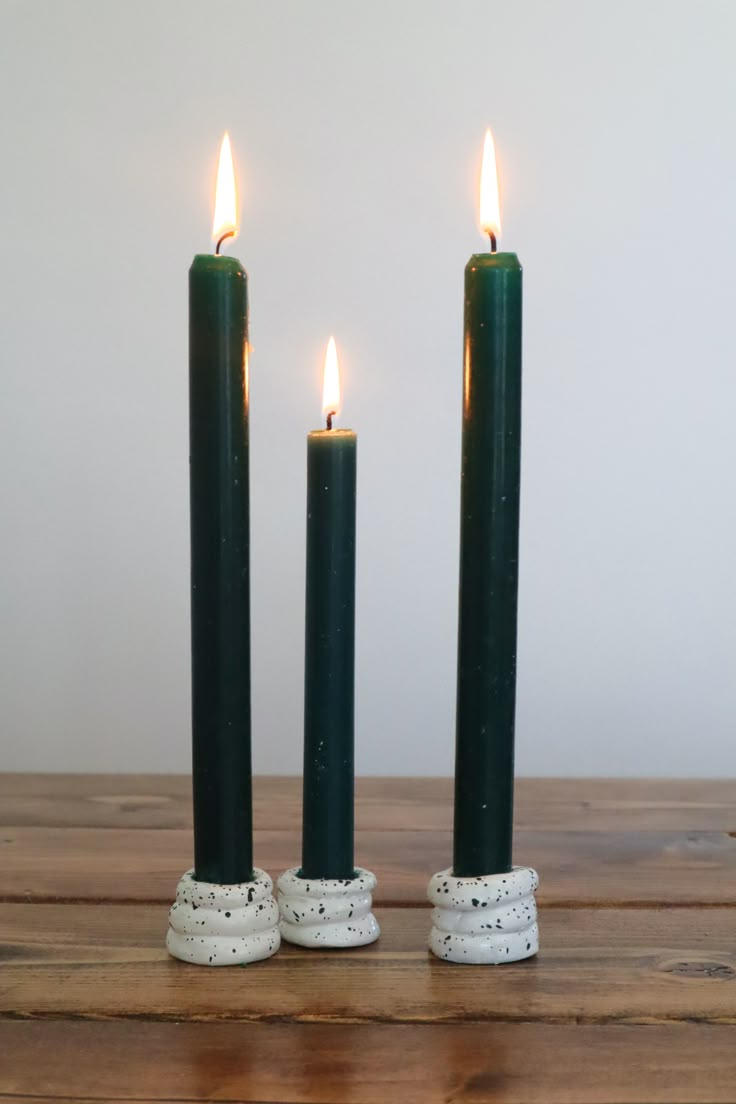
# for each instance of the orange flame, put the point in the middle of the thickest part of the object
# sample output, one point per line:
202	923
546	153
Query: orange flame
490	214
331	385
226	196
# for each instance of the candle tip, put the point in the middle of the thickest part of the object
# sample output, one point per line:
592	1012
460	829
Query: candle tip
221	239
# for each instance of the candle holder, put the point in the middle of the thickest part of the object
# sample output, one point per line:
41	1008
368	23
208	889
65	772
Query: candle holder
491	919
223	925
327	912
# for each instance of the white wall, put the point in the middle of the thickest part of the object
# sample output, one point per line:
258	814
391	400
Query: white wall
357	130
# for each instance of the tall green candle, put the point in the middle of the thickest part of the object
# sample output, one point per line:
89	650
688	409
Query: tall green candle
327	836
220	575
489	545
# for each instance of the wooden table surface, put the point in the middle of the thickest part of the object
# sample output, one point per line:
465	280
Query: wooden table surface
632	996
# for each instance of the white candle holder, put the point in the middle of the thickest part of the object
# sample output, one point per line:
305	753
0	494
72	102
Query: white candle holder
223	925
327	912
490	919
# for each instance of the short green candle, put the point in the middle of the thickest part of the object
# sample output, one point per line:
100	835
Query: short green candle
220	576
489	557
327	835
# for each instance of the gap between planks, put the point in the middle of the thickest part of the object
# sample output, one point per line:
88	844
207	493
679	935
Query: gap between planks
384	903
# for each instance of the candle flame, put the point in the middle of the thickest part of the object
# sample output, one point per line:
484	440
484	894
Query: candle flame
226	197
331	386
490	214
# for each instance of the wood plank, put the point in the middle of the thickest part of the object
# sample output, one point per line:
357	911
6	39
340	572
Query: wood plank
596	966
578	869
164	801
367	1064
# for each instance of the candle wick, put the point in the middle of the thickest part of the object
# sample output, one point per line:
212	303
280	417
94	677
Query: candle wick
492	238
330	415
229	234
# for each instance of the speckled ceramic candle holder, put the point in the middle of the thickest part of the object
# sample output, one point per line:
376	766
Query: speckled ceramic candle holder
492	919
327	912
223	925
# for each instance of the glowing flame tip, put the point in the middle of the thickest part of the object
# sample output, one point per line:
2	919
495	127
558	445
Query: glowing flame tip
331	385
226	198
490	214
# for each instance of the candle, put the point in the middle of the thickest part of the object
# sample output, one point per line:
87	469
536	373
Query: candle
489	541
327	839
220	577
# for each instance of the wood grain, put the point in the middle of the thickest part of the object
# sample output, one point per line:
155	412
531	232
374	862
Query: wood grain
631	1000
369	1064
578	869
383	804
596	966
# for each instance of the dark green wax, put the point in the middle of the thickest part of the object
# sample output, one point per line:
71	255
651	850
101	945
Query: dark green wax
327	839
218	433
489	557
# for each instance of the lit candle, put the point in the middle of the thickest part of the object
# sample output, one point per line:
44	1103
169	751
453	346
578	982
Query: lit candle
327	840
491	453
220	575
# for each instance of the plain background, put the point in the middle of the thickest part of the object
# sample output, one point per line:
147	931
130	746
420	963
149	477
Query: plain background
357	131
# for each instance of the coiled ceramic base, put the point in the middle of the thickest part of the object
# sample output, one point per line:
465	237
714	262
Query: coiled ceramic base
223	925
327	912
491	919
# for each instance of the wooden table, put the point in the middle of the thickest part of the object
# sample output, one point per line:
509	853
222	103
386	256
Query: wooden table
632	997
